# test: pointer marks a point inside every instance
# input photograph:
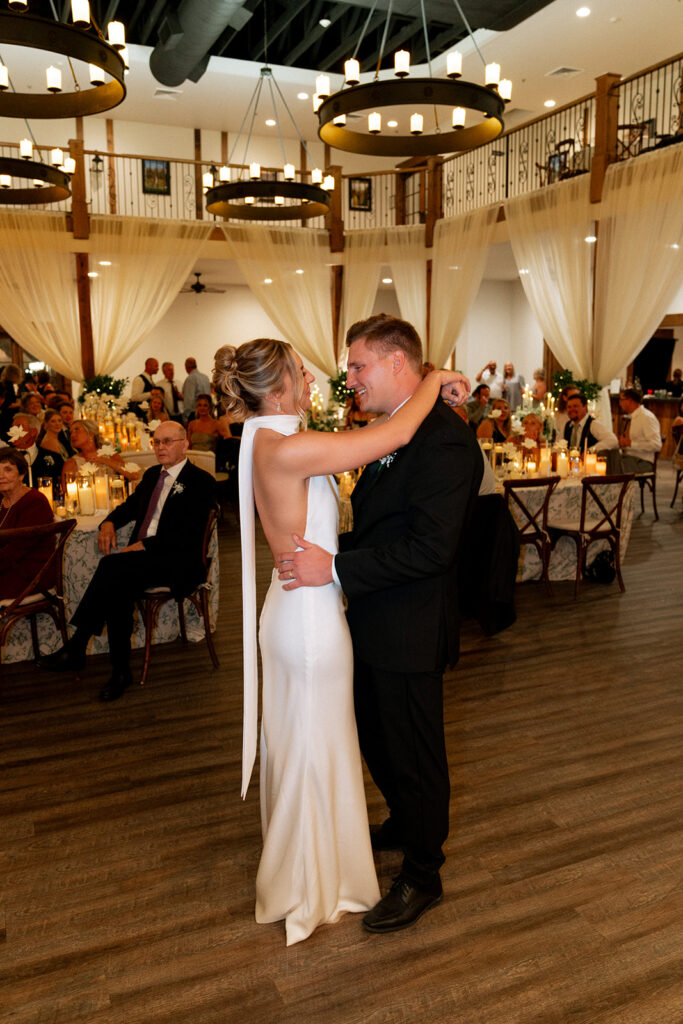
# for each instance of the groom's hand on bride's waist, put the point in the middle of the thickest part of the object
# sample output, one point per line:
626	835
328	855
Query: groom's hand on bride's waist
309	567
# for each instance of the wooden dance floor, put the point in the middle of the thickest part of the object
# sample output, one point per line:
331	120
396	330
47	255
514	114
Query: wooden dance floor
128	859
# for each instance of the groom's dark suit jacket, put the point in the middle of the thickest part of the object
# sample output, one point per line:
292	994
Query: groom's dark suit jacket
398	565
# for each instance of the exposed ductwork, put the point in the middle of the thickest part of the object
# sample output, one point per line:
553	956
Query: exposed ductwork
186	36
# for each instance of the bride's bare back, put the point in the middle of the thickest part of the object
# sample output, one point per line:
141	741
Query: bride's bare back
281	496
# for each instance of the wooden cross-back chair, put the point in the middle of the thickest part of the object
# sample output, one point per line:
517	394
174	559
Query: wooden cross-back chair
532	524
45	592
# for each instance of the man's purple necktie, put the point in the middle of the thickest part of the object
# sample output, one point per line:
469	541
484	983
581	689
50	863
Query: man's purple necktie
153	502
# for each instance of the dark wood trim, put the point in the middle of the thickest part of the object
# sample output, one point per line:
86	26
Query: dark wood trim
111	171
198	189
224	147
337	292
334	220
84	314
606	120
400	197
79	205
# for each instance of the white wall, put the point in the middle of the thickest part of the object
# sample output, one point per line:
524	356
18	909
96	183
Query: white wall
500	326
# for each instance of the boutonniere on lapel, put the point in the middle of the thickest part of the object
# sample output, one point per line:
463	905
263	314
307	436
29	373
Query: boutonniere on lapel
386	460
49	461
177	488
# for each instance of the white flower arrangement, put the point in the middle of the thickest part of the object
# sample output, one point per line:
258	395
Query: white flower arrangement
495	413
153	424
177	488
529	442
16	433
88	467
132	467
509	450
144	406
561	444
107	450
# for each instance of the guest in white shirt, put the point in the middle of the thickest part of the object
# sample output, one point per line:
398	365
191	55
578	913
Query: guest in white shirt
144	382
492	379
642	436
172	394
583	430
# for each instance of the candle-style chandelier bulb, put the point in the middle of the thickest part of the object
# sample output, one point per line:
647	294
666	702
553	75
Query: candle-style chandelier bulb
454	64
80	12
96	75
116	34
26	149
56	157
17	5
401	63
207	180
322	86
374	123
340	119
459	115
69	165
4	77
249	200
289	172
505	89
316	176
53	77
279	200
5	181
352	71
254	171
317	102
37	183
492	75
328	183
416	124
123	54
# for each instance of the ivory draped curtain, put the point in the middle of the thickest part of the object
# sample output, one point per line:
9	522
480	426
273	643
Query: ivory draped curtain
151	259
640	255
363	258
38	300
547	232
407	256
459	255
300	305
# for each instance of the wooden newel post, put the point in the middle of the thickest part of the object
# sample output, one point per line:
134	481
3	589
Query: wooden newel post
333	220
434	197
79	205
606	120
84	314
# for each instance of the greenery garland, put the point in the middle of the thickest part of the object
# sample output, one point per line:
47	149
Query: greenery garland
102	384
563	378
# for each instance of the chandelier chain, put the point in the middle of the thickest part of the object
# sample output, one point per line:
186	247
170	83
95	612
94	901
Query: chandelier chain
365	28
277	120
384	39
291	118
469	29
424	29
244	121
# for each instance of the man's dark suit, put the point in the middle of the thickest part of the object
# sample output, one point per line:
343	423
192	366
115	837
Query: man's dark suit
172	557
397	569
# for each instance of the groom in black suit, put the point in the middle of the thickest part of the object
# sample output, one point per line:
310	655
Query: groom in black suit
170	508
398	571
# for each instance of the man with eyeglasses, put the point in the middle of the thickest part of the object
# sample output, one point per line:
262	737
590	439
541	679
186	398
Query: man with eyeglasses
169	508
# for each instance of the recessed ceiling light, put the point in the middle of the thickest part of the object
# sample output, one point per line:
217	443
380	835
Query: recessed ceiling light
590	239
298	271
271	123
267	280
302	95
392	124
387	280
583	12
93	273
550	103
325	22
524	270
105	263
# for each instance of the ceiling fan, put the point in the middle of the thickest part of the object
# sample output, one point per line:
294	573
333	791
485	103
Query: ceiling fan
197	287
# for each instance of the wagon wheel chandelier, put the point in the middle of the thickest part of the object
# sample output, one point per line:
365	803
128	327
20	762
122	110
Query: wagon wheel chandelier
50	182
382	96
255	198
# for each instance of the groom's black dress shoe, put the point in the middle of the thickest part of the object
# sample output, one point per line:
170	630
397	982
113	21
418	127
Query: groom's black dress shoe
385	836
117	685
404	904
63	660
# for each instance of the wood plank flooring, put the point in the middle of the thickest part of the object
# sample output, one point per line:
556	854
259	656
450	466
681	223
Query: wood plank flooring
128	859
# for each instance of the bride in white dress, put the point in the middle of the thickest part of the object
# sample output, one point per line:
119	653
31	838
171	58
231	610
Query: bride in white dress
317	859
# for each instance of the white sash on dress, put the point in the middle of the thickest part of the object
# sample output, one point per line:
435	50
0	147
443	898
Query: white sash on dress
283	424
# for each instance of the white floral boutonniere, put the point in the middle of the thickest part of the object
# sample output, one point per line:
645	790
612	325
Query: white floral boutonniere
15	433
49	461
177	488
386	460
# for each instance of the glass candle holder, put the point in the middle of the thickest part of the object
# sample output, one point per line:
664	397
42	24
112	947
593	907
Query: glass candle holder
86	494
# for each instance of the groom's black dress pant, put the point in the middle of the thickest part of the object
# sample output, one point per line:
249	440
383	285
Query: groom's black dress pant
111	594
400	728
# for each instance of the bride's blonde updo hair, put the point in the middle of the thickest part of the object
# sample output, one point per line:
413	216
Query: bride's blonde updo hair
244	377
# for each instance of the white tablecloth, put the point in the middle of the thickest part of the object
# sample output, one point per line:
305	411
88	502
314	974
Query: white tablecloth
81	556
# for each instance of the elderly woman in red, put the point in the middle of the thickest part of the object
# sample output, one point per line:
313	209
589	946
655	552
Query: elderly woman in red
20	506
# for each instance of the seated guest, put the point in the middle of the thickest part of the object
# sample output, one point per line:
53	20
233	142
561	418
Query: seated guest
532	427
31	403
86	440
677	425
170	508
20	506
539	388
477	406
66	411
157	407
497	428
49	437
513	386
561	410
26	443
583	431
675	385
641	439
204	430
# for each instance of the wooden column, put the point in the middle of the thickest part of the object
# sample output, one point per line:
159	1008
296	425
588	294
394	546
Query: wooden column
84	315
224	147
434	197
198	188
606	119
337	286
80	224
400	198
333	220
303	167
111	170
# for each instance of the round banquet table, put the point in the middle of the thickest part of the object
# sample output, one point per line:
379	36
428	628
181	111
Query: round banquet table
565	505
81	556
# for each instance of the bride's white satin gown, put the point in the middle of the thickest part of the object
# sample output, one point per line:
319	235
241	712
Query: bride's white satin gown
317	859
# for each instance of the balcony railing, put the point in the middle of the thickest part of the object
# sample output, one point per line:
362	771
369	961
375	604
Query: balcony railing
650	108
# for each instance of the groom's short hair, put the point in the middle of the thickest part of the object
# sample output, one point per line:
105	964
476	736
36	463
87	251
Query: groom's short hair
385	333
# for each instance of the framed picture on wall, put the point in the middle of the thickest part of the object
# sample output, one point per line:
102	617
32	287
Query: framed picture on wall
360	194
156	177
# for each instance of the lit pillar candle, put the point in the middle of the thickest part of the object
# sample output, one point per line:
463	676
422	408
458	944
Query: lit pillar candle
45	487
53	77
531	467
69	165
5	181
545	461
600	466
401	63
454	64
374	123
416	122
71	494
207	180
101	491
352	71
589	462
328	183
562	463
86	499
279	200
